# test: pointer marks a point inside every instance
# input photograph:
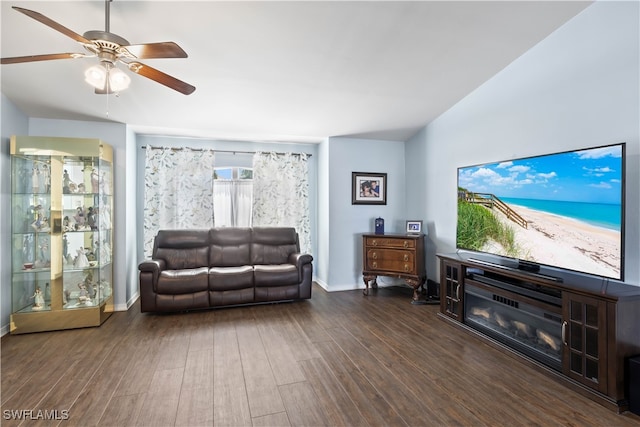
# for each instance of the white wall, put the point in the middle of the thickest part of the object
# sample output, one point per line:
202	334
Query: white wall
321	258
130	199
577	88
13	122
347	222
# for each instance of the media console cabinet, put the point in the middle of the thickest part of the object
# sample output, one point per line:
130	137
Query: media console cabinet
581	330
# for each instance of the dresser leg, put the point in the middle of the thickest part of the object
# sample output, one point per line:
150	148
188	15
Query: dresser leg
367	278
416	284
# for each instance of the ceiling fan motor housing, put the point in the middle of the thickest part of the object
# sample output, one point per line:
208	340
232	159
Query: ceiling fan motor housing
107	46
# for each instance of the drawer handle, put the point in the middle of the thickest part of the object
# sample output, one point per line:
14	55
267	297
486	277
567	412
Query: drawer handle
374	255
375	264
406	267
374	242
564	332
406	257
406	244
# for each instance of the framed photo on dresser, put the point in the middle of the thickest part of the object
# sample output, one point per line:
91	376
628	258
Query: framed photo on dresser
414	227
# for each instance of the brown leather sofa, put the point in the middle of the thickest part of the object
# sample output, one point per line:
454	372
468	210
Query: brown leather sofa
198	269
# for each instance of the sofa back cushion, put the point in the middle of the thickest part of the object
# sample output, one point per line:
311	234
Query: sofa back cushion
273	245
182	248
230	247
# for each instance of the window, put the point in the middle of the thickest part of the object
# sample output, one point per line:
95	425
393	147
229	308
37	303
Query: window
228	173
232	196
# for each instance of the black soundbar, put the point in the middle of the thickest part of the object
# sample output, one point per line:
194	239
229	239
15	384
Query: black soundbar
504	267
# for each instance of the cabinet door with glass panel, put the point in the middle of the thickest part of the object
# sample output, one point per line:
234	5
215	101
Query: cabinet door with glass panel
62	203
584	331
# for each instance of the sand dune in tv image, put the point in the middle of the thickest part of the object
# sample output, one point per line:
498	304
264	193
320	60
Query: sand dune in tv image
564	242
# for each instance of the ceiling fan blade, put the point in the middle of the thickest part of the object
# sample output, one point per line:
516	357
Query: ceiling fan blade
162	78
53	24
34	58
156	50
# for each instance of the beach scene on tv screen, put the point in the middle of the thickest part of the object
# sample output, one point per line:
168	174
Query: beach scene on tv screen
562	210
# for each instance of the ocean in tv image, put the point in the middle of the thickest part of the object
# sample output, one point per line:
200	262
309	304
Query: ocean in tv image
563	210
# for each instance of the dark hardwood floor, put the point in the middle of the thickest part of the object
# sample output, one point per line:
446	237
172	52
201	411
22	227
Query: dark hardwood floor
339	359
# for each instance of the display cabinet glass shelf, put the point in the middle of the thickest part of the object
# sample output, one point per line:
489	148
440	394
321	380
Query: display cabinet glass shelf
62	234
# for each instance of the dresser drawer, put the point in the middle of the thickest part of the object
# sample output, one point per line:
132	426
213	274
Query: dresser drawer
383	242
390	260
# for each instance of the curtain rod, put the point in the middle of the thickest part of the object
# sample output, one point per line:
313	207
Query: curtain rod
223	151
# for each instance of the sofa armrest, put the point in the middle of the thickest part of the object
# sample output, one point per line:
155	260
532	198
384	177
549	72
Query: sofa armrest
300	260
153	266
149	274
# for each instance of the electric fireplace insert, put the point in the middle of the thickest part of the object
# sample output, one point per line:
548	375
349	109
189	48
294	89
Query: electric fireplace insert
524	316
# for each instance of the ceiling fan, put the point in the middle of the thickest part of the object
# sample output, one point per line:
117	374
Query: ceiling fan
110	49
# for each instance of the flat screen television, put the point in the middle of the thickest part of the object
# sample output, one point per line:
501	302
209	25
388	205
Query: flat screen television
562	210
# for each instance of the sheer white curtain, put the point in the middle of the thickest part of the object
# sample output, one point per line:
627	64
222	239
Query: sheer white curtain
178	191
232	202
281	193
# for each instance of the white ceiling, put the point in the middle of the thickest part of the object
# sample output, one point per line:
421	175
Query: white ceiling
278	71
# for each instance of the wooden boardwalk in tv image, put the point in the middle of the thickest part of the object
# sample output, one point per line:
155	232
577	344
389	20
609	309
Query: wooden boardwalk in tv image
490	201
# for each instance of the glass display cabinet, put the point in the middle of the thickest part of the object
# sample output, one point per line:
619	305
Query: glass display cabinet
62	235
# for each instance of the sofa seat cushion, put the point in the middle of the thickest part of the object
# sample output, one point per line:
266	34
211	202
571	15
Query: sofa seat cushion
275	275
230	278
176	282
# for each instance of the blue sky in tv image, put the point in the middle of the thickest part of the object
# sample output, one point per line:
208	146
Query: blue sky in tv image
582	184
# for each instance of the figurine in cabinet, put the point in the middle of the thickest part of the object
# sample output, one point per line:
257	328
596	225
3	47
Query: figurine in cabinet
38	214
38	297
91	219
41	224
28	255
83	295
43	261
81	260
104	217
66	224
45	179
105	185
95	181
104	251
35	179
79	217
65	247
66	182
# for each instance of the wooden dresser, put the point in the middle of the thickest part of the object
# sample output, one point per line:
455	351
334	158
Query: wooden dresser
394	255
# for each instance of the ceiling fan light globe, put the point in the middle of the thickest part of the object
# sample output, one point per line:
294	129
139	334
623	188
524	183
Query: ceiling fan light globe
118	80
96	76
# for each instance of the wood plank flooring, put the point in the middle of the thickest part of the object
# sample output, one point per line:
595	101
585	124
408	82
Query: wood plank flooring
339	359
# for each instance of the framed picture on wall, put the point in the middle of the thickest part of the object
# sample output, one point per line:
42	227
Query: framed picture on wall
368	188
414	227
